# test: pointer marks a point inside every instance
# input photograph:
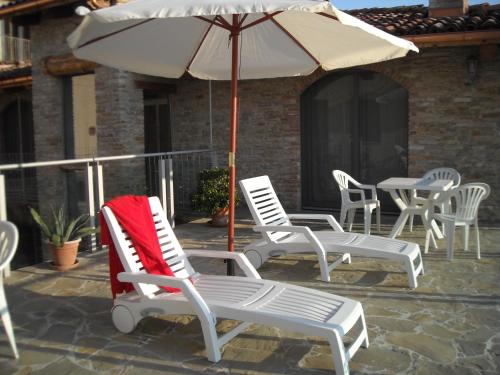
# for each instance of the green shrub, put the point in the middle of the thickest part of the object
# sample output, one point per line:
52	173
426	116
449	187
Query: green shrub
212	193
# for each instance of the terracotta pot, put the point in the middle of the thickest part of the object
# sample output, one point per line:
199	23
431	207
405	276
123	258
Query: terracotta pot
221	218
64	257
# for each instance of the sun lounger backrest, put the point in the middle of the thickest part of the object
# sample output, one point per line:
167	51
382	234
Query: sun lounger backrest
171	249
264	205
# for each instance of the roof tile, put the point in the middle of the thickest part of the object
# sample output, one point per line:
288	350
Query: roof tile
412	20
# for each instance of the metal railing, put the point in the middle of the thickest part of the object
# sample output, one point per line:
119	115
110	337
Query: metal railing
168	175
14	50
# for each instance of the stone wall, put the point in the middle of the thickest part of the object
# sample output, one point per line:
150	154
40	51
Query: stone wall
454	121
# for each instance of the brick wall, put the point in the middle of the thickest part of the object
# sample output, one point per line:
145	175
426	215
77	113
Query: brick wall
47	92
453	121
120	128
120	131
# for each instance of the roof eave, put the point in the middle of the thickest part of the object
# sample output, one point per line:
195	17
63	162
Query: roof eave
455	39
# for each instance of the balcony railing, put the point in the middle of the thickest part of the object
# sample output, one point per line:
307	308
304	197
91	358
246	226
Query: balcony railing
83	185
14	50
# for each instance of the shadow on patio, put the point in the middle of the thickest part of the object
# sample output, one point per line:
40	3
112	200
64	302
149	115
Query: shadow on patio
449	324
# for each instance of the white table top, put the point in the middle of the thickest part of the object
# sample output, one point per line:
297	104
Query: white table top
406	183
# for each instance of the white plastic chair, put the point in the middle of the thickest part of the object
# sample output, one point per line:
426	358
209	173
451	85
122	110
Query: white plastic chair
279	236
416	202
349	206
9	238
247	299
465	204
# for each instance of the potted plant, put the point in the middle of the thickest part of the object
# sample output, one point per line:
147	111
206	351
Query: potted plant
64	236
212	195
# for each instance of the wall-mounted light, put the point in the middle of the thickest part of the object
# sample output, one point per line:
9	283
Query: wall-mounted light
472	67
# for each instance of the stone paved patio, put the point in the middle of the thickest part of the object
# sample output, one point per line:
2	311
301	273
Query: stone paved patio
449	325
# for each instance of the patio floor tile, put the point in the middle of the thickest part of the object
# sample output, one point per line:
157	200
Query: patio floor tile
449	325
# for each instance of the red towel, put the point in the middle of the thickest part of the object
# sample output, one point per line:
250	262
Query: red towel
134	215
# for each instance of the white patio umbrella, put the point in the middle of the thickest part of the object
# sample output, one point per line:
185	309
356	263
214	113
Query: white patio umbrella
231	40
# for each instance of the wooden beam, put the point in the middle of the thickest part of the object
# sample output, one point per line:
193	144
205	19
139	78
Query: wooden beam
68	64
16	82
30	6
467	38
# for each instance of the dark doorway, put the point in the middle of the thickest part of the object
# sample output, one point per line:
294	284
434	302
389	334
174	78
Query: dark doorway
157	133
356	121
17	146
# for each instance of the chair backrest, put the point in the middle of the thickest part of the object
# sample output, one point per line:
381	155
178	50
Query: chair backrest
170	247
264	205
9	238
343	180
467	199
444	174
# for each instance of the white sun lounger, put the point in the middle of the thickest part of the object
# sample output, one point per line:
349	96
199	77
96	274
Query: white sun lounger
247	299
279	236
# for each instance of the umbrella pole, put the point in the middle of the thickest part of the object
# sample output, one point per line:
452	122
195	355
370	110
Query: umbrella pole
232	140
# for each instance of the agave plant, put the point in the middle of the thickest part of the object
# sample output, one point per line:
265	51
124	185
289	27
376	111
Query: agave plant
63	230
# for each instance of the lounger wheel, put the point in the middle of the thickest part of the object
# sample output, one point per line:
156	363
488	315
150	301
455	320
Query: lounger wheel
123	319
254	257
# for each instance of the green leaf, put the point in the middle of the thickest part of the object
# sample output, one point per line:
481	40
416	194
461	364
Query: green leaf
56	240
84	232
69	230
212	193
43	226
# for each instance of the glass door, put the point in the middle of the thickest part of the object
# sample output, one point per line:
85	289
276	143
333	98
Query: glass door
356	121
157	133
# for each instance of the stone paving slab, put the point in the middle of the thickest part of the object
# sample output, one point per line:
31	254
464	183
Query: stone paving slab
449	325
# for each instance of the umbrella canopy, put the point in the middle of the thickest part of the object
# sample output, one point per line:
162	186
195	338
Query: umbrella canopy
237	39
278	38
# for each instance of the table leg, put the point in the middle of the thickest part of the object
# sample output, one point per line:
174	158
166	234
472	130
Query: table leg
436	230
403	217
432	222
399	225
428	221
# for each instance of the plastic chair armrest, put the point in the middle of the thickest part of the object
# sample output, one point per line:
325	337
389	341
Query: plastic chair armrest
158	280
313	240
329	218
240	259
357	191
370	187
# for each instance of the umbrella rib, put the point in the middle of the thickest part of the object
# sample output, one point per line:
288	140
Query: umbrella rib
214	22
115	32
295	41
223	21
199	46
260	20
242	20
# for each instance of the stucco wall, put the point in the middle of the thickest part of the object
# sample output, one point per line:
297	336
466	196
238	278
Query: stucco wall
453	121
